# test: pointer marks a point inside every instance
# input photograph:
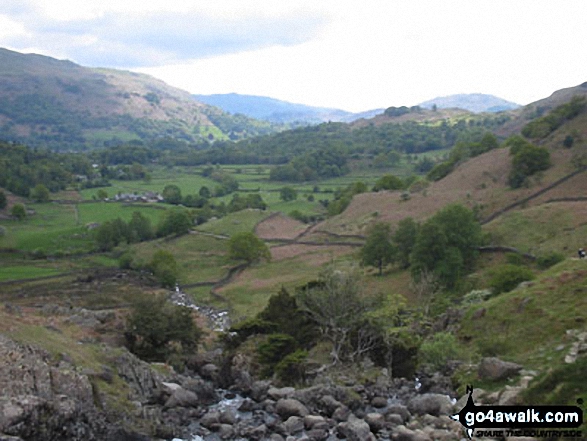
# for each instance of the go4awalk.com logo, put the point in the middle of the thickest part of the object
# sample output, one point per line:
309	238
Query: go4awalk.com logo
535	421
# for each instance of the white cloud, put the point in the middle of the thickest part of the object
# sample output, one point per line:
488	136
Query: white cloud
347	54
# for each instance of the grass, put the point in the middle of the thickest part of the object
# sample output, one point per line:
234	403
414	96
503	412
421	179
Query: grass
25	272
539	230
526	325
233	223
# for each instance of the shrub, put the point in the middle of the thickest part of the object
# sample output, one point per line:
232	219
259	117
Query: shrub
549	260
506	277
437	351
157	330
248	247
476	296
292	368
272	351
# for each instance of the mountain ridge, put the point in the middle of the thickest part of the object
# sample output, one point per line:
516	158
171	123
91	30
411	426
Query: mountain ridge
62	105
473	102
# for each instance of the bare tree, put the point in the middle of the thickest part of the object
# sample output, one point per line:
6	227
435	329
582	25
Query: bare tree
338	306
425	288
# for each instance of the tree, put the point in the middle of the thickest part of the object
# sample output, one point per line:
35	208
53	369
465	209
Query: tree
176	221
140	227
18	211
388	182
154	324
205	192
447	244
172	194
339	308
404	239
3	200
102	194
527	161
164	267
247	246
378	249
40	193
288	194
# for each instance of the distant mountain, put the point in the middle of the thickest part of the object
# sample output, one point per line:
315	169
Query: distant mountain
64	106
474	102
278	111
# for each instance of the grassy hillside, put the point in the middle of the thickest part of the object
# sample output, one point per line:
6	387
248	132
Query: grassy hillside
61	105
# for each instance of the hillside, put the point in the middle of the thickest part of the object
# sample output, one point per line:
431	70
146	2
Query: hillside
480	183
278	111
474	102
59	104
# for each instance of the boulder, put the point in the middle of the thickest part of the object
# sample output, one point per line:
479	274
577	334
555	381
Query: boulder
376	421
278	393
402	433
355	429
289	407
379	402
494	369
182	398
433	404
293	425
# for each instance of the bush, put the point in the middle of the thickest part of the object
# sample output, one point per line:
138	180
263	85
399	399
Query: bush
549	260
436	352
164	268
292	369
272	351
248	247
507	277
157	330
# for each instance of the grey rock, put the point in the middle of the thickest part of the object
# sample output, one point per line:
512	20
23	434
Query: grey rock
400	410
310	421
289	407
494	369
317	434
433	404
341	414
293	425
402	433
280	393
210	419
355	429
182	398
379	402
259	390
376	421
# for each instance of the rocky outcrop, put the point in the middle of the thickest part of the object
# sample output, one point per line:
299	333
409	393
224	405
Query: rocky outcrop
42	400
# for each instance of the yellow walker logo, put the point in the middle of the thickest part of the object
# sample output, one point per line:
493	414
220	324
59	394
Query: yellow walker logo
536	421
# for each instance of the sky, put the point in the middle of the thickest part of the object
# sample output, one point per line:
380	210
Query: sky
351	55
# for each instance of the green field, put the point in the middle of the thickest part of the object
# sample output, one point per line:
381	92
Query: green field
61	228
25	272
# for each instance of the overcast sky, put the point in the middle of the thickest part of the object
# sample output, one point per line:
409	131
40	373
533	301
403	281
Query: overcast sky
353	55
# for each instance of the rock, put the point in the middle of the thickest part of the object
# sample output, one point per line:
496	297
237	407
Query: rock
433	404
182	398
209	372
494	369
258	390
248	405
355	429
510	396
400	410
477	397
379	402
289	407
310	421
280	393
258	432
376	421
276	437
228	416
402	433
317	435
329	404
341	414
210	420
394	419
293	425
226	431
